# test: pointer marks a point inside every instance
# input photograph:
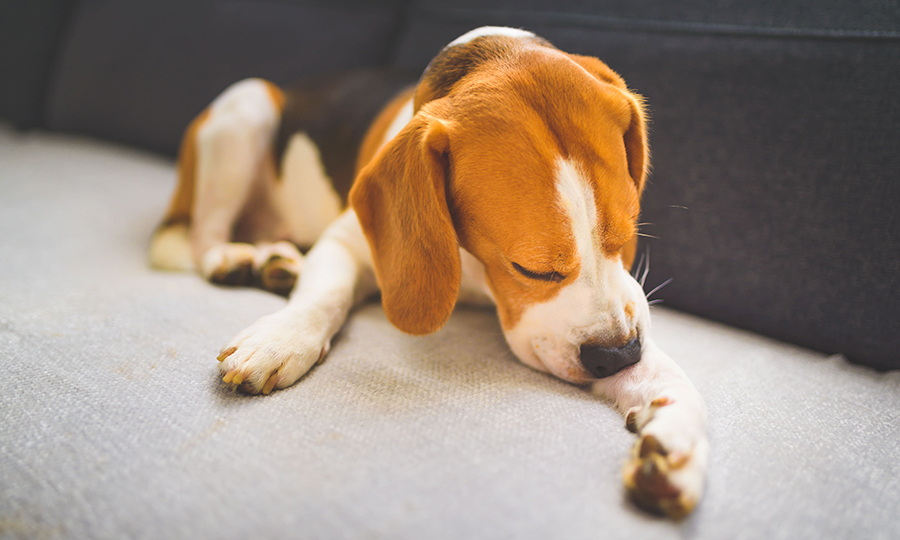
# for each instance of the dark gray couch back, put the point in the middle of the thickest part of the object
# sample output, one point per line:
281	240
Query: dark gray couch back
774	127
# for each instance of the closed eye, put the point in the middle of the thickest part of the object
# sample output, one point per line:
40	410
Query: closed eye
555	277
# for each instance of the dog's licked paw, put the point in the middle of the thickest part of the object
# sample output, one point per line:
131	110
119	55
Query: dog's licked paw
272	353
667	467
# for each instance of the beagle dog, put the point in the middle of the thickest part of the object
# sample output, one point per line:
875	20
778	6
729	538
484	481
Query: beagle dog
510	174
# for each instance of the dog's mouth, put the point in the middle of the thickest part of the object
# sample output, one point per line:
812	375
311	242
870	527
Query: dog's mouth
579	364
561	359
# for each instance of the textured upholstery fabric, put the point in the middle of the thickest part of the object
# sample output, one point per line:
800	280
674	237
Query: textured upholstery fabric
113	423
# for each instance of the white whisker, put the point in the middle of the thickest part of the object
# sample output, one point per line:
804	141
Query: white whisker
660	286
646	268
637	269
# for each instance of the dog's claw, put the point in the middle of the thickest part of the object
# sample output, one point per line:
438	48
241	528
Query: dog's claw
661	402
226	353
270	384
631	423
678	460
637	417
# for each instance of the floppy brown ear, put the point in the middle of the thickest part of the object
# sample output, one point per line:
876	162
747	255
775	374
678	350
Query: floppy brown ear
637	152
400	200
636	149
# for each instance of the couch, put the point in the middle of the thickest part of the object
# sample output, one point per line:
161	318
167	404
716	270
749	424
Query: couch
773	202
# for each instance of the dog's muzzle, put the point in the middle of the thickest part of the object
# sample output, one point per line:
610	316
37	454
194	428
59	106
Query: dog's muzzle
602	361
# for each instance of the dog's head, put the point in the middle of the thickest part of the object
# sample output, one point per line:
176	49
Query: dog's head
533	161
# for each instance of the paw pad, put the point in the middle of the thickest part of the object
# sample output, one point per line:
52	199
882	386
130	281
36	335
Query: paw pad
650	445
278	275
657	477
241	273
648	481
631	420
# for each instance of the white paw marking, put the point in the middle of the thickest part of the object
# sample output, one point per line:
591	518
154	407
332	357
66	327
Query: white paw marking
274	352
667	467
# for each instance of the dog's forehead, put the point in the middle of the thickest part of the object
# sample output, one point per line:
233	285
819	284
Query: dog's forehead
505	184
510	177
512	124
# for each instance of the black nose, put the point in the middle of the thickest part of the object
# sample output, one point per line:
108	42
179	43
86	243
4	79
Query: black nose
605	361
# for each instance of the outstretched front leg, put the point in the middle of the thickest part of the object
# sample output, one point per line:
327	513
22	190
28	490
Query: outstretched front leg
280	348
667	467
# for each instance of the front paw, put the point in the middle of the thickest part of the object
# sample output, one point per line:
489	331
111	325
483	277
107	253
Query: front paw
274	352
667	467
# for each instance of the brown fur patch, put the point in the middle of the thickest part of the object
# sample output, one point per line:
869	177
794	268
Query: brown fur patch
635	137
375	136
504	201
181	204
277	95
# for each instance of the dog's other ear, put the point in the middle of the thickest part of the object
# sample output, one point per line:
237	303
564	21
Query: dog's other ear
638	156
637	152
636	148
400	200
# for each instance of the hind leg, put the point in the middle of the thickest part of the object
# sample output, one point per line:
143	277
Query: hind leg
232	146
